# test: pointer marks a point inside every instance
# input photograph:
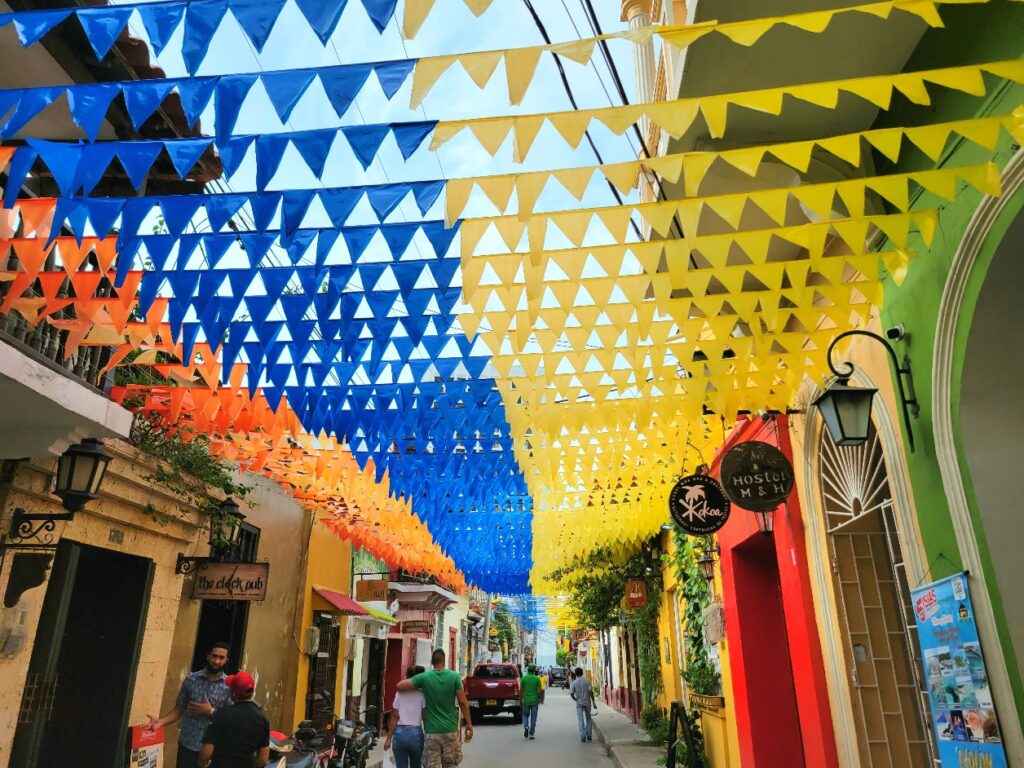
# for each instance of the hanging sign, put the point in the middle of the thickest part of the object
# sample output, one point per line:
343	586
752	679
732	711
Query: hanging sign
698	505
231	581
636	593
756	476
416	627
962	712
372	590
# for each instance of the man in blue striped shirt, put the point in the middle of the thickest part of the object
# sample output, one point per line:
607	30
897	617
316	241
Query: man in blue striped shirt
202	693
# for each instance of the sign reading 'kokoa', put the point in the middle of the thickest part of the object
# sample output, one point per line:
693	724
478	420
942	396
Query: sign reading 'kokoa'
231	581
756	476
698	505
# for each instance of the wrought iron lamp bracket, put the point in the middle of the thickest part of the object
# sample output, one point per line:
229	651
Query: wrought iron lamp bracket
33	531
904	376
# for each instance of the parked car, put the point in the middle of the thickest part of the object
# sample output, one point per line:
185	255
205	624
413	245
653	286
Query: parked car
493	689
558	677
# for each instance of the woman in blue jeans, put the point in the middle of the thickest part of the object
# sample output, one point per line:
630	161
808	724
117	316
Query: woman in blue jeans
405	726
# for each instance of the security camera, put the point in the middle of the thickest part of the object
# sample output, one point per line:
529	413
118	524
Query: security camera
896	333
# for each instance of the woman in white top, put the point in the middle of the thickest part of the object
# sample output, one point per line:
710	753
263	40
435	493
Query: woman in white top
405	725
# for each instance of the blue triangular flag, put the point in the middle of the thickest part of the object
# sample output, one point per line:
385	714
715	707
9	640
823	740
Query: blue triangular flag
384	198
178	211
398	237
380	12
426	193
185	153
322	15
295	204
187	245
444	272
62	159
299	243
137	157
142	97
240	280
314	146
342	84
409	136
132	215
89	103
310	278
189	335
232	152
269	151
324	244
275	280
256	245
102	25
66	207
264	205
407	274
160	21
158	248
231	92
8	99
201	23
32	26
440	237
256	18
103	212
357	239
216	246
195	94
393	74
284	89
148	289
32	102
366	140
340	202
220	208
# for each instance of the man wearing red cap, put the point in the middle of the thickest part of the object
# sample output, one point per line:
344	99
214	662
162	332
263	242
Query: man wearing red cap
238	736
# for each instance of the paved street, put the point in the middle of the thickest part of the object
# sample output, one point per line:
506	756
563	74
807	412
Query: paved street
498	743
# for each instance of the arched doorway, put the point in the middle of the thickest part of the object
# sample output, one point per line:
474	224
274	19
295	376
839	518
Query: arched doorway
992	421
873	609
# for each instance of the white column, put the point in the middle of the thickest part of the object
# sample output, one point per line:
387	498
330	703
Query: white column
637	13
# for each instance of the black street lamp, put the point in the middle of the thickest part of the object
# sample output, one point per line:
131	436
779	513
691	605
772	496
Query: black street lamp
706	562
80	472
225	529
846	410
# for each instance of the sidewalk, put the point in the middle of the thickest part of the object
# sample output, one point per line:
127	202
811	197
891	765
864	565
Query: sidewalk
626	744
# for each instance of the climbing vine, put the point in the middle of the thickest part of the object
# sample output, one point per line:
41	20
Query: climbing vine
700	674
185	465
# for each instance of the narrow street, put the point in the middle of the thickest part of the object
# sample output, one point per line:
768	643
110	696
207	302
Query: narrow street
499	743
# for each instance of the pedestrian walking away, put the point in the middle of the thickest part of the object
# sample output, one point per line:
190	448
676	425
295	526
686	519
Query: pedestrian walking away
442	688
405	725
238	736
583	695
530	686
202	693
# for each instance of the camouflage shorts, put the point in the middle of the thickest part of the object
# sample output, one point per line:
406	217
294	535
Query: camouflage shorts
442	750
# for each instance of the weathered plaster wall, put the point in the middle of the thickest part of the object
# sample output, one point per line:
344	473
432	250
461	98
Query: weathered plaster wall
131	516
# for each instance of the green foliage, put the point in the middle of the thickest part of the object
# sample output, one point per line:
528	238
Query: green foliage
682	754
653	720
562	657
186	467
506	629
700	674
597	587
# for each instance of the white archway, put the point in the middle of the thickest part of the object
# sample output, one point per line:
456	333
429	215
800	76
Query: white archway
948	321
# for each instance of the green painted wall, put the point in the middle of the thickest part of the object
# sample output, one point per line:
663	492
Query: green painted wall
973	34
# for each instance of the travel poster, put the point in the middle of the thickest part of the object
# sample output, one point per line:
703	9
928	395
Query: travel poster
962	712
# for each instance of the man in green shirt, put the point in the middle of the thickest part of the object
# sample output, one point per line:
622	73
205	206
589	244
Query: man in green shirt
441	688
530	685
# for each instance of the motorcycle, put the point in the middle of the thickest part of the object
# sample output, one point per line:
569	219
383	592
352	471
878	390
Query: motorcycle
351	740
301	750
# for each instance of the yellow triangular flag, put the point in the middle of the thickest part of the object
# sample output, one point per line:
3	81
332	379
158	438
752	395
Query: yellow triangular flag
511	230
746	160
480	66
416	12
852	195
886	141
817	197
616	220
796	155
966	79
892	188
618	120
695	168
456	193
674	117
498	189
491	132
477	6
443	133
774	202
816	21
571	126
984	133
844	147
622	175
684	36
877	90
931	139
729	207
913	88
746	33
575	180
714	109
574	225
528	189
824	95
425	75
579	51
520	64
526	129
668	167
984	178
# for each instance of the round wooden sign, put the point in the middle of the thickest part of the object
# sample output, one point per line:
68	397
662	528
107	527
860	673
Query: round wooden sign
756	476
698	505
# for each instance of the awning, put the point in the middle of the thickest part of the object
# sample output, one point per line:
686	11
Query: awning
378	614
343	603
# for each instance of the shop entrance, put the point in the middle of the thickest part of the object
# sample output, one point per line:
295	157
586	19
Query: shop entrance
879	630
82	673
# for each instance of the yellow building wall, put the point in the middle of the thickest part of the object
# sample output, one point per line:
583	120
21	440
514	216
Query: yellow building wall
718	724
329	565
132	516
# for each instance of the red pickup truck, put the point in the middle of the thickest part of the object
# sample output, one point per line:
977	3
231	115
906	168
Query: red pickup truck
493	689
